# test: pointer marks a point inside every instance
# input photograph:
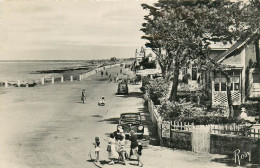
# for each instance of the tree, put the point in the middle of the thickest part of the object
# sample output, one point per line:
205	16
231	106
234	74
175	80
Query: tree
174	28
113	59
148	64
153	35
179	32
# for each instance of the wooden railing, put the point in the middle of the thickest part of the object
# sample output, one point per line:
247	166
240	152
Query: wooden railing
229	129
181	126
234	129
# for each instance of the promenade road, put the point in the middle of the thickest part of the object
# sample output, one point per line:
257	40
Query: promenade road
48	126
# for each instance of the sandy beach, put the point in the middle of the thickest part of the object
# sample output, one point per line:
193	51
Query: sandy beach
49	127
46	126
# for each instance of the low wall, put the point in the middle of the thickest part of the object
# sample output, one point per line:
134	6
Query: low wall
180	140
225	144
228	144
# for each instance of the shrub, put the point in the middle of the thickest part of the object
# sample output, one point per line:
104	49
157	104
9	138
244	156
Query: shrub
157	89
173	110
148	64
206	120
145	81
252	108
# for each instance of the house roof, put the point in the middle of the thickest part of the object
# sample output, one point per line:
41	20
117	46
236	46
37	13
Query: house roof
234	47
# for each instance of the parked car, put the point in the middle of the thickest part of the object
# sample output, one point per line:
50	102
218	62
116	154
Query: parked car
122	88
131	121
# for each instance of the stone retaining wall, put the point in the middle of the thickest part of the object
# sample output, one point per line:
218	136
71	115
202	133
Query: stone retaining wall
180	140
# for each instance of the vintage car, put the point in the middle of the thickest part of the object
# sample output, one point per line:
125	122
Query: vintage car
122	88
131	121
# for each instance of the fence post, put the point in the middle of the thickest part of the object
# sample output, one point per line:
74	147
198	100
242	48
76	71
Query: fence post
42	80
6	84
80	77
71	78
61	78
52	80
18	83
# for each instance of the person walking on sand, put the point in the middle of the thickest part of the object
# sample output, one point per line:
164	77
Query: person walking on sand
111	148
134	144
83	96
110	78
139	154
96	148
106	73
121	149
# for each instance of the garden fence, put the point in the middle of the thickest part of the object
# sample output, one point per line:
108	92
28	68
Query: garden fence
234	129
230	129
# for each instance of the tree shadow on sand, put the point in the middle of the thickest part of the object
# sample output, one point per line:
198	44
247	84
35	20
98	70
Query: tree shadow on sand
111	120
102	79
231	163
98	116
131	94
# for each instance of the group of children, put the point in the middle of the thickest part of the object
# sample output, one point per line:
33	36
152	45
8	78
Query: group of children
116	149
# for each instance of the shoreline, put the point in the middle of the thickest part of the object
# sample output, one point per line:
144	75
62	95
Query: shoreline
29	72
54	76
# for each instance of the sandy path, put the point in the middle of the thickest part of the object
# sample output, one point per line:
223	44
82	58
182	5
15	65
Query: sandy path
48	126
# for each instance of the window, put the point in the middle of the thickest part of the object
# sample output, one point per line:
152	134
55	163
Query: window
223	83
184	71
220	82
235	80
216	86
236	86
223	86
194	73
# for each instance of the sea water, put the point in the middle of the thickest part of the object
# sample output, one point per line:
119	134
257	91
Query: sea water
25	70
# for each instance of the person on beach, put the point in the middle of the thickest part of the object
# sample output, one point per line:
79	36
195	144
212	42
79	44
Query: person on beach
110	78
134	144
96	148
83	96
121	149
102	73
106	73
111	148
139	154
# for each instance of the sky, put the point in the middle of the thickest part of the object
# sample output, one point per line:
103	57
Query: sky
70	29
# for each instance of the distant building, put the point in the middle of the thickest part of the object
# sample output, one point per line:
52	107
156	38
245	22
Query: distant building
139	56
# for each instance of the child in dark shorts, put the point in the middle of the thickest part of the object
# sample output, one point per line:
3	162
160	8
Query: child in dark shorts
139	153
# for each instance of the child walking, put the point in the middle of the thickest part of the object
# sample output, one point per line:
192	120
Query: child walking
97	148
83	96
139	153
